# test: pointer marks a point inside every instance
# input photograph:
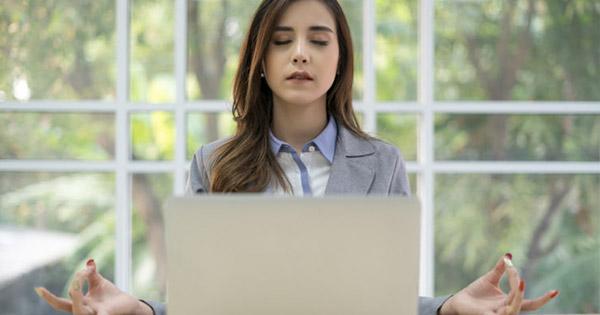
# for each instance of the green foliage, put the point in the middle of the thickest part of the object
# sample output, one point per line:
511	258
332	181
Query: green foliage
52	46
401	130
502	215
154	136
56	136
396	50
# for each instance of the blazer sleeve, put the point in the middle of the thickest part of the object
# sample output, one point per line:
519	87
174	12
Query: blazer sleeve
431	305
197	182
399	184
157	308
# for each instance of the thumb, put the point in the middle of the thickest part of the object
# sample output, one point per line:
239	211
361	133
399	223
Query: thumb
494	275
94	277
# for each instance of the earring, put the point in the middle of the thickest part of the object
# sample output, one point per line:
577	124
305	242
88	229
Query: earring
262	75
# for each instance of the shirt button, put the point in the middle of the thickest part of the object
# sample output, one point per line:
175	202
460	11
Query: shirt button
311	148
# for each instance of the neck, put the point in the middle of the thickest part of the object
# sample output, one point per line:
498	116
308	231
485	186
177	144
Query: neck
296	124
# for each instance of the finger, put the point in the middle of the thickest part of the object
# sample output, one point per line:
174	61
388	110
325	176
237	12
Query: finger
513	281
494	275
94	278
515	306
534	304
76	292
57	303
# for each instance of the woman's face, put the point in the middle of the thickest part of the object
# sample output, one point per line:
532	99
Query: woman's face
302	56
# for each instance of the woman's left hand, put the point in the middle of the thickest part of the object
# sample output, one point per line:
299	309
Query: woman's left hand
484	296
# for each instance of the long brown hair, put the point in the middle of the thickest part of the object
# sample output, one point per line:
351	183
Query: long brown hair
245	163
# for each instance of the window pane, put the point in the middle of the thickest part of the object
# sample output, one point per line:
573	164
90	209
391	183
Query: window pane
550	223
508	50
152	135
57	50
203	128
413	179
517	137
56	136
396	50
400	130
152	64
150	191
216	30
50	224
353	9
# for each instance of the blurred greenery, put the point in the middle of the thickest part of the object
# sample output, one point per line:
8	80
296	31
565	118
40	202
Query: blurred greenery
42	136
152	75
152	135
400	130
550	223
485	50
50	50
517	137
396	50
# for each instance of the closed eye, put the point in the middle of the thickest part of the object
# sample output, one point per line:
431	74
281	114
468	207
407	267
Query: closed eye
284	42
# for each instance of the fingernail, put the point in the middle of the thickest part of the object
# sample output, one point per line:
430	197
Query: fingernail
90	262
553	294
508	255
507	261
522	286
38	291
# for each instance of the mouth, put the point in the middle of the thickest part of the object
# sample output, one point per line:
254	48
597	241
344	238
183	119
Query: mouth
300	75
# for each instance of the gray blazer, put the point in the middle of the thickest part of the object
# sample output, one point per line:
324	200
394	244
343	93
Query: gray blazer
360	167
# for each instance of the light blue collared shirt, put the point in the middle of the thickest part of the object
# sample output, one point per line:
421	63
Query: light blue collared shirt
313	172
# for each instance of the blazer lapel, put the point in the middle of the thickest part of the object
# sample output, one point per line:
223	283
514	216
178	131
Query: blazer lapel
353	167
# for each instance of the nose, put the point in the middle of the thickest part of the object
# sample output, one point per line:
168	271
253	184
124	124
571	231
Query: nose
300	55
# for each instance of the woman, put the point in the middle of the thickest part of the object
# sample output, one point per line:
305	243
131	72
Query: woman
297	134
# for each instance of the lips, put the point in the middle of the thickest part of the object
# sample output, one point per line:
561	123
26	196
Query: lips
300	75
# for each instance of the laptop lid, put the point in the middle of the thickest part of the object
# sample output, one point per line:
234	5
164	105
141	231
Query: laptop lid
263	255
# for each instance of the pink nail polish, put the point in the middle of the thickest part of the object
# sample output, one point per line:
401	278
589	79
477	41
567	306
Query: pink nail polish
508	255
553	294
89	262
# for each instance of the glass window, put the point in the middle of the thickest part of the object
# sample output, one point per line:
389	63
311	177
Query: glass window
56	136
57	50
149	192
550	223
517	50
50	224
517	137
401	131
152	135
152	69
396	50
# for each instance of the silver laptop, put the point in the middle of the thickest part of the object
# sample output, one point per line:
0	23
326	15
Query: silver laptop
266	255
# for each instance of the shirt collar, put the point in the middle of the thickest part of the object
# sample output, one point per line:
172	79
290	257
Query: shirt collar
325	141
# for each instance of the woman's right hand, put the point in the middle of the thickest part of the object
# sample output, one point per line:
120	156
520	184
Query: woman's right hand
102	298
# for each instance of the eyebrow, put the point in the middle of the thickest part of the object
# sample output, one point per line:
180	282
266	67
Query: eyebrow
314	28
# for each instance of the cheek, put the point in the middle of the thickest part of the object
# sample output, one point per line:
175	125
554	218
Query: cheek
330	65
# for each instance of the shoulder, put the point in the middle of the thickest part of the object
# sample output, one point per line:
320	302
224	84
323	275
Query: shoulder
200	169
206	151
385	150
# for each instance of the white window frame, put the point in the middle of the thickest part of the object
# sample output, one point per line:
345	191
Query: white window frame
425	108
